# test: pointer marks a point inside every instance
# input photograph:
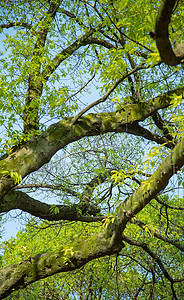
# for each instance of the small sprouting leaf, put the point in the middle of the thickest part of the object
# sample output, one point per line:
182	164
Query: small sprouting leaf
176	100
54	209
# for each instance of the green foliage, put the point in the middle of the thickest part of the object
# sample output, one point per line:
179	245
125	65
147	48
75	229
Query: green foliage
54	209
14	175
52	65
154	57
107	276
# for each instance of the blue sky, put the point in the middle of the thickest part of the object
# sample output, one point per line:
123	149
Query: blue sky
12	224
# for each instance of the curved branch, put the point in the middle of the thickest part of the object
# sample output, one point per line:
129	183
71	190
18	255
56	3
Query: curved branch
75	212
141	131
72	16
84	196
161	35
107	242
101	100
67	258
39	150
56	187
150	188
20	200
84	40
16	24
161	124
89	187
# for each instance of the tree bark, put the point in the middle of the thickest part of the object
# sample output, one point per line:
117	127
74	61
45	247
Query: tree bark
108	242
76	212
39	150
161	35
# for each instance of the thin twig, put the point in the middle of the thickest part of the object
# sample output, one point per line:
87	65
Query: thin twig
74	120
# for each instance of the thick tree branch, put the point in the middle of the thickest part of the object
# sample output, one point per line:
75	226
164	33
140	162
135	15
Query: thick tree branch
75	212
161	35
150	188
16	24
67	258
161	124
33	154
141	131
107	242
39	150
35	83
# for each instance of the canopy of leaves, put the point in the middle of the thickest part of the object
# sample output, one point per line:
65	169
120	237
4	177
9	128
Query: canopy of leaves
92	149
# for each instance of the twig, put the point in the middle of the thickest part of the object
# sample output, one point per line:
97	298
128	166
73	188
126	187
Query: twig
74	120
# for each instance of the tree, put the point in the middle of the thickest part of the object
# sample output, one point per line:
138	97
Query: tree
101	176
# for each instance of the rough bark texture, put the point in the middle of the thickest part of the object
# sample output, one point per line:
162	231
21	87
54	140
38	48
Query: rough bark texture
157	182
39	150
35	82
76	212
108	242
161	35
66	259
33	154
